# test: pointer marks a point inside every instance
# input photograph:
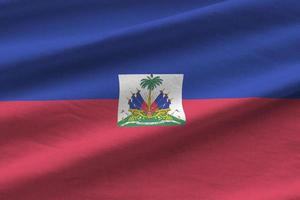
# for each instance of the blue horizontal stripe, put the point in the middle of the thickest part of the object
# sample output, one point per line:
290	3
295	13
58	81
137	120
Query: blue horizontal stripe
76	49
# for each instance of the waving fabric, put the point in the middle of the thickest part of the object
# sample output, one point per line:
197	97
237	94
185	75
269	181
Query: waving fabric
59	90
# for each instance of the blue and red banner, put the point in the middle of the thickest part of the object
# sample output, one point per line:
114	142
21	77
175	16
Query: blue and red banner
59	96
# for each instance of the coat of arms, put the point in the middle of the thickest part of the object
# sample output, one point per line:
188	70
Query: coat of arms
150	100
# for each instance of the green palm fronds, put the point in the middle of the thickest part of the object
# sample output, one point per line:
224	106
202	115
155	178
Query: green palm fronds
151	82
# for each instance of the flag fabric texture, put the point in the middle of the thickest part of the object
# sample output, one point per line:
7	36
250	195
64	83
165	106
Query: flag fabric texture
238	137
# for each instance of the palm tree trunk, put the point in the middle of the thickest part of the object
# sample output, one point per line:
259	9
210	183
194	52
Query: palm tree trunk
149	101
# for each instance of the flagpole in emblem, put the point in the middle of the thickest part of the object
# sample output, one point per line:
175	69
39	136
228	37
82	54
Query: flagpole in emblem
150	105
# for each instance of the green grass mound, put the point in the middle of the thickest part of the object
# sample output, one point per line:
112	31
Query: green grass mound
172	121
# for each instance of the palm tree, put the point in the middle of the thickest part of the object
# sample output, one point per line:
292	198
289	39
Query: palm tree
150	83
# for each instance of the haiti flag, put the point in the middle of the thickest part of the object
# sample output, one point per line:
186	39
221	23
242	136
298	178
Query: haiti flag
149	100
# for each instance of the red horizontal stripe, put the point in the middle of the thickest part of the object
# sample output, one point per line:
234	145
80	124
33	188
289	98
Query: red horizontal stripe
229	149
